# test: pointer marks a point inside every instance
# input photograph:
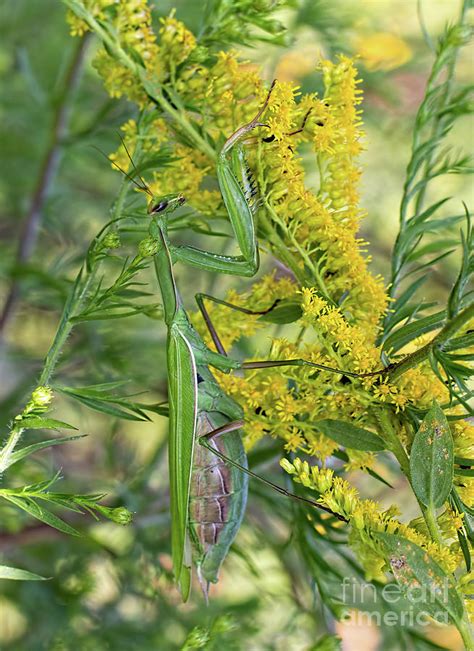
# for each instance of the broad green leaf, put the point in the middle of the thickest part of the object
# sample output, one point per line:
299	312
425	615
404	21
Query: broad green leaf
422	581
422	643
350	435
432	459
40	513
284	312
36	422
15	574
29	449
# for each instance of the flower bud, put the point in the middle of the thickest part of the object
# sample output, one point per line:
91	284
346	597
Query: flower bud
111	241
41	397
148	247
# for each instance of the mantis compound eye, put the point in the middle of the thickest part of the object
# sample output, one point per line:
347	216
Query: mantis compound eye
159	207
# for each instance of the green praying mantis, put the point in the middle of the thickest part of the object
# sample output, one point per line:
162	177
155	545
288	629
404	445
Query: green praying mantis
208	470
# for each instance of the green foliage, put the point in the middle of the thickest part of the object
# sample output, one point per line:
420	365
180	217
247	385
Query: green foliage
431	459
15	574
413	569
350	436
243	22
111	586
444	103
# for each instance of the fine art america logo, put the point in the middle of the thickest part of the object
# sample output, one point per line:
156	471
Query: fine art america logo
416	605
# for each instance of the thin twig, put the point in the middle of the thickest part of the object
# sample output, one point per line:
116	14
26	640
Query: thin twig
49	166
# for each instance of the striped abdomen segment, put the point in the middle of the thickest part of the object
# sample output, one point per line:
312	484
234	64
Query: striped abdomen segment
217	497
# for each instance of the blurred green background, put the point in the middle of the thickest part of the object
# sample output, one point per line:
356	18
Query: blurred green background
110	589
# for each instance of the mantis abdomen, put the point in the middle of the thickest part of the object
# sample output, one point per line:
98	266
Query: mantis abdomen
218	496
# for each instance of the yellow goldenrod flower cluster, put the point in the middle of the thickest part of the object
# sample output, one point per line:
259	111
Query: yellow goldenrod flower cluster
466	587
353	343
463	435
366	518
131	22
320	225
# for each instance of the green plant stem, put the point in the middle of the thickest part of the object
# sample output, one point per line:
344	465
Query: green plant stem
81	287
447	332
280	247
438	120
9	447
465	631
394	443
412	171
431	522
80	290
48	168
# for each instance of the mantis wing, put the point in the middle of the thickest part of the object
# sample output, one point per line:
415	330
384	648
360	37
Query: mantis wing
182	385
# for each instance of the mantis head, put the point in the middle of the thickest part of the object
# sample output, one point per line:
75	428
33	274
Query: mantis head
165	204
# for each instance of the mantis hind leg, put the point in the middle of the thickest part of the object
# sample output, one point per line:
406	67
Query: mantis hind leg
200	300
236	425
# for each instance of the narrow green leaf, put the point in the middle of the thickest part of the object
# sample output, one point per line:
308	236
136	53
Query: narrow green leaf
93	390
406	313
15	574
29	449
426	214
464	472
107	408
350	435
40	513
411	331
432	247
422	581
468	514
36	422
407	294
432	459
466	551
159	408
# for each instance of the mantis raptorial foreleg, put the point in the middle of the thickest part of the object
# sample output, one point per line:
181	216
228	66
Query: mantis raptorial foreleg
232	178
